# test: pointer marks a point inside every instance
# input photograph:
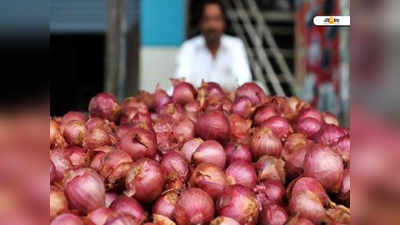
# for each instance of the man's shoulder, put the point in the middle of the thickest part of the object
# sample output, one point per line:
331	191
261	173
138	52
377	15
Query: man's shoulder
232	41
192	42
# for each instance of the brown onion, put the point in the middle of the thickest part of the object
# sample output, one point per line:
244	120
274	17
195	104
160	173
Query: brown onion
56	137
58	202
97	137
145	180
240	204
209	178
67	218
161	98
110	198
184	130
123	220
61	162
210	152
101	215
190	147
237	151
269	167
308	126
213	125
105	106
175	165
270	192
242	106
73	115
115	166
129	206
274	215
251	91
265	112
310	113
223	220
194	207
240	128
183	92
165	205
330	118
139	143
241	172
279	125
265	142
324	165
78	157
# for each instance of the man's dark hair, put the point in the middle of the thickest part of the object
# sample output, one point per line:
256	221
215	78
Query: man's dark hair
204	3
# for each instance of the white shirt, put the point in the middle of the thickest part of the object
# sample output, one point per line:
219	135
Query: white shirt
230	67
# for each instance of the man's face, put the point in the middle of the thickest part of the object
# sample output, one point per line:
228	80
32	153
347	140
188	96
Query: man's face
212	24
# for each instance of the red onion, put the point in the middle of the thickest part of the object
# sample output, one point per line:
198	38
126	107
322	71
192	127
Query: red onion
73	115
58	202
110	198
345	188
274	215
127	115
97	137
101	215
237	151
142	119
264	112
294	159
240	204
299	221
130	207
175	111
294	140
78	157
241	172
139	143
329	135
251	91
165	205
269	167
343	148
293	106
175	165
310	113
85	190
308	126
190	147
97	161
265	142
183	92
95	122
223	220
123	220
184	130
324	165
192	107
330	118
105	106
56	137
75	132
240	128
279	125
194	207
210	152
162	220
226	105
212	90
213	125
270	192
115	166
161	98
53	173
67	218
135	103
124	129
61	162
166	142
145	180
243	107
210	178
310	184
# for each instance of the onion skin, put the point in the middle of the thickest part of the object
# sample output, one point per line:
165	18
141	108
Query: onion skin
213	125
105	106
330	118
78	157
73	115
270	192
308	126
293	141
162	220
53	174
62	164
274	215
184	130
123	220
222	220
56	137
110	198
343	148
324	165
241	172
240	128
67	218
265	142
97	137
139	143
251	91
161	98
183	92
310	113
294	160
240	204
190	147
344	194
194	207
279	125
124	129
115	166
175	165
58	202
210	152
127	114
101	215
299	221
329	135
265	112
135	102
269	167
312	185
306	204
237	151
209	178
165	205
129	206
243	107
145	180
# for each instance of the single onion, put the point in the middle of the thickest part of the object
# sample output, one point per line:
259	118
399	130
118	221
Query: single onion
293	106
251	91
101	215
78	157
209	178
242	106
329	135
161	98
344	194
105	106
67	218
294	159
265	112
97	137
173	110
240	204
58	202
145	180
139	143
127	114
115	166
53	173
110	198
269	167
279	125
61	162
308	126
165	205
265	142
241	172
95	122
194	207
124	129
183	92
135	102
310	184
190	147
293	141
273	215
299	221
175	165
85	190
73	115
343	148
330	118
240	128
184	130
213	125
324	165
237	151
123	220
223	220
310	113
56	137
166	142
129	206
212	90
210	152
270	192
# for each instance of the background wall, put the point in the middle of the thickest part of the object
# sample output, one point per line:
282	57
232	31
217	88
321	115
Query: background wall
162	32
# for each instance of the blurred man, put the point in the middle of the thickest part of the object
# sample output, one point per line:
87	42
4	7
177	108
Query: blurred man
213	55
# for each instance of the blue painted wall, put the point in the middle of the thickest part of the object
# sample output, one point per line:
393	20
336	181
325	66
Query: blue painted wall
162	22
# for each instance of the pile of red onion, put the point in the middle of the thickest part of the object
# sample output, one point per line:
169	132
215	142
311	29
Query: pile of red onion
198	157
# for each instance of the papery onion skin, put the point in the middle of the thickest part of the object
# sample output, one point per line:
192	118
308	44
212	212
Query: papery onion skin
265	142
306	204
110	198
127	114
294	159
293	141
58	202
67	218
209	178
343	148
269	167
61	162
329	135
213	125
74	115
165	205
242	106
240	128
240	204
194	207
237	151
97	137
162	220
123	220
124	129
101	215
308	126
326	166
161	98
115	166
223	220
105	106
184	130
175	164
78	157
299	221
183	92
270	192
251	91
190	147
145	180
274	215
129	206
241	172
53	174
312	185
310	113
139	143
265	112
210	152
135	102
330	118
344	194
279	125
56	137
